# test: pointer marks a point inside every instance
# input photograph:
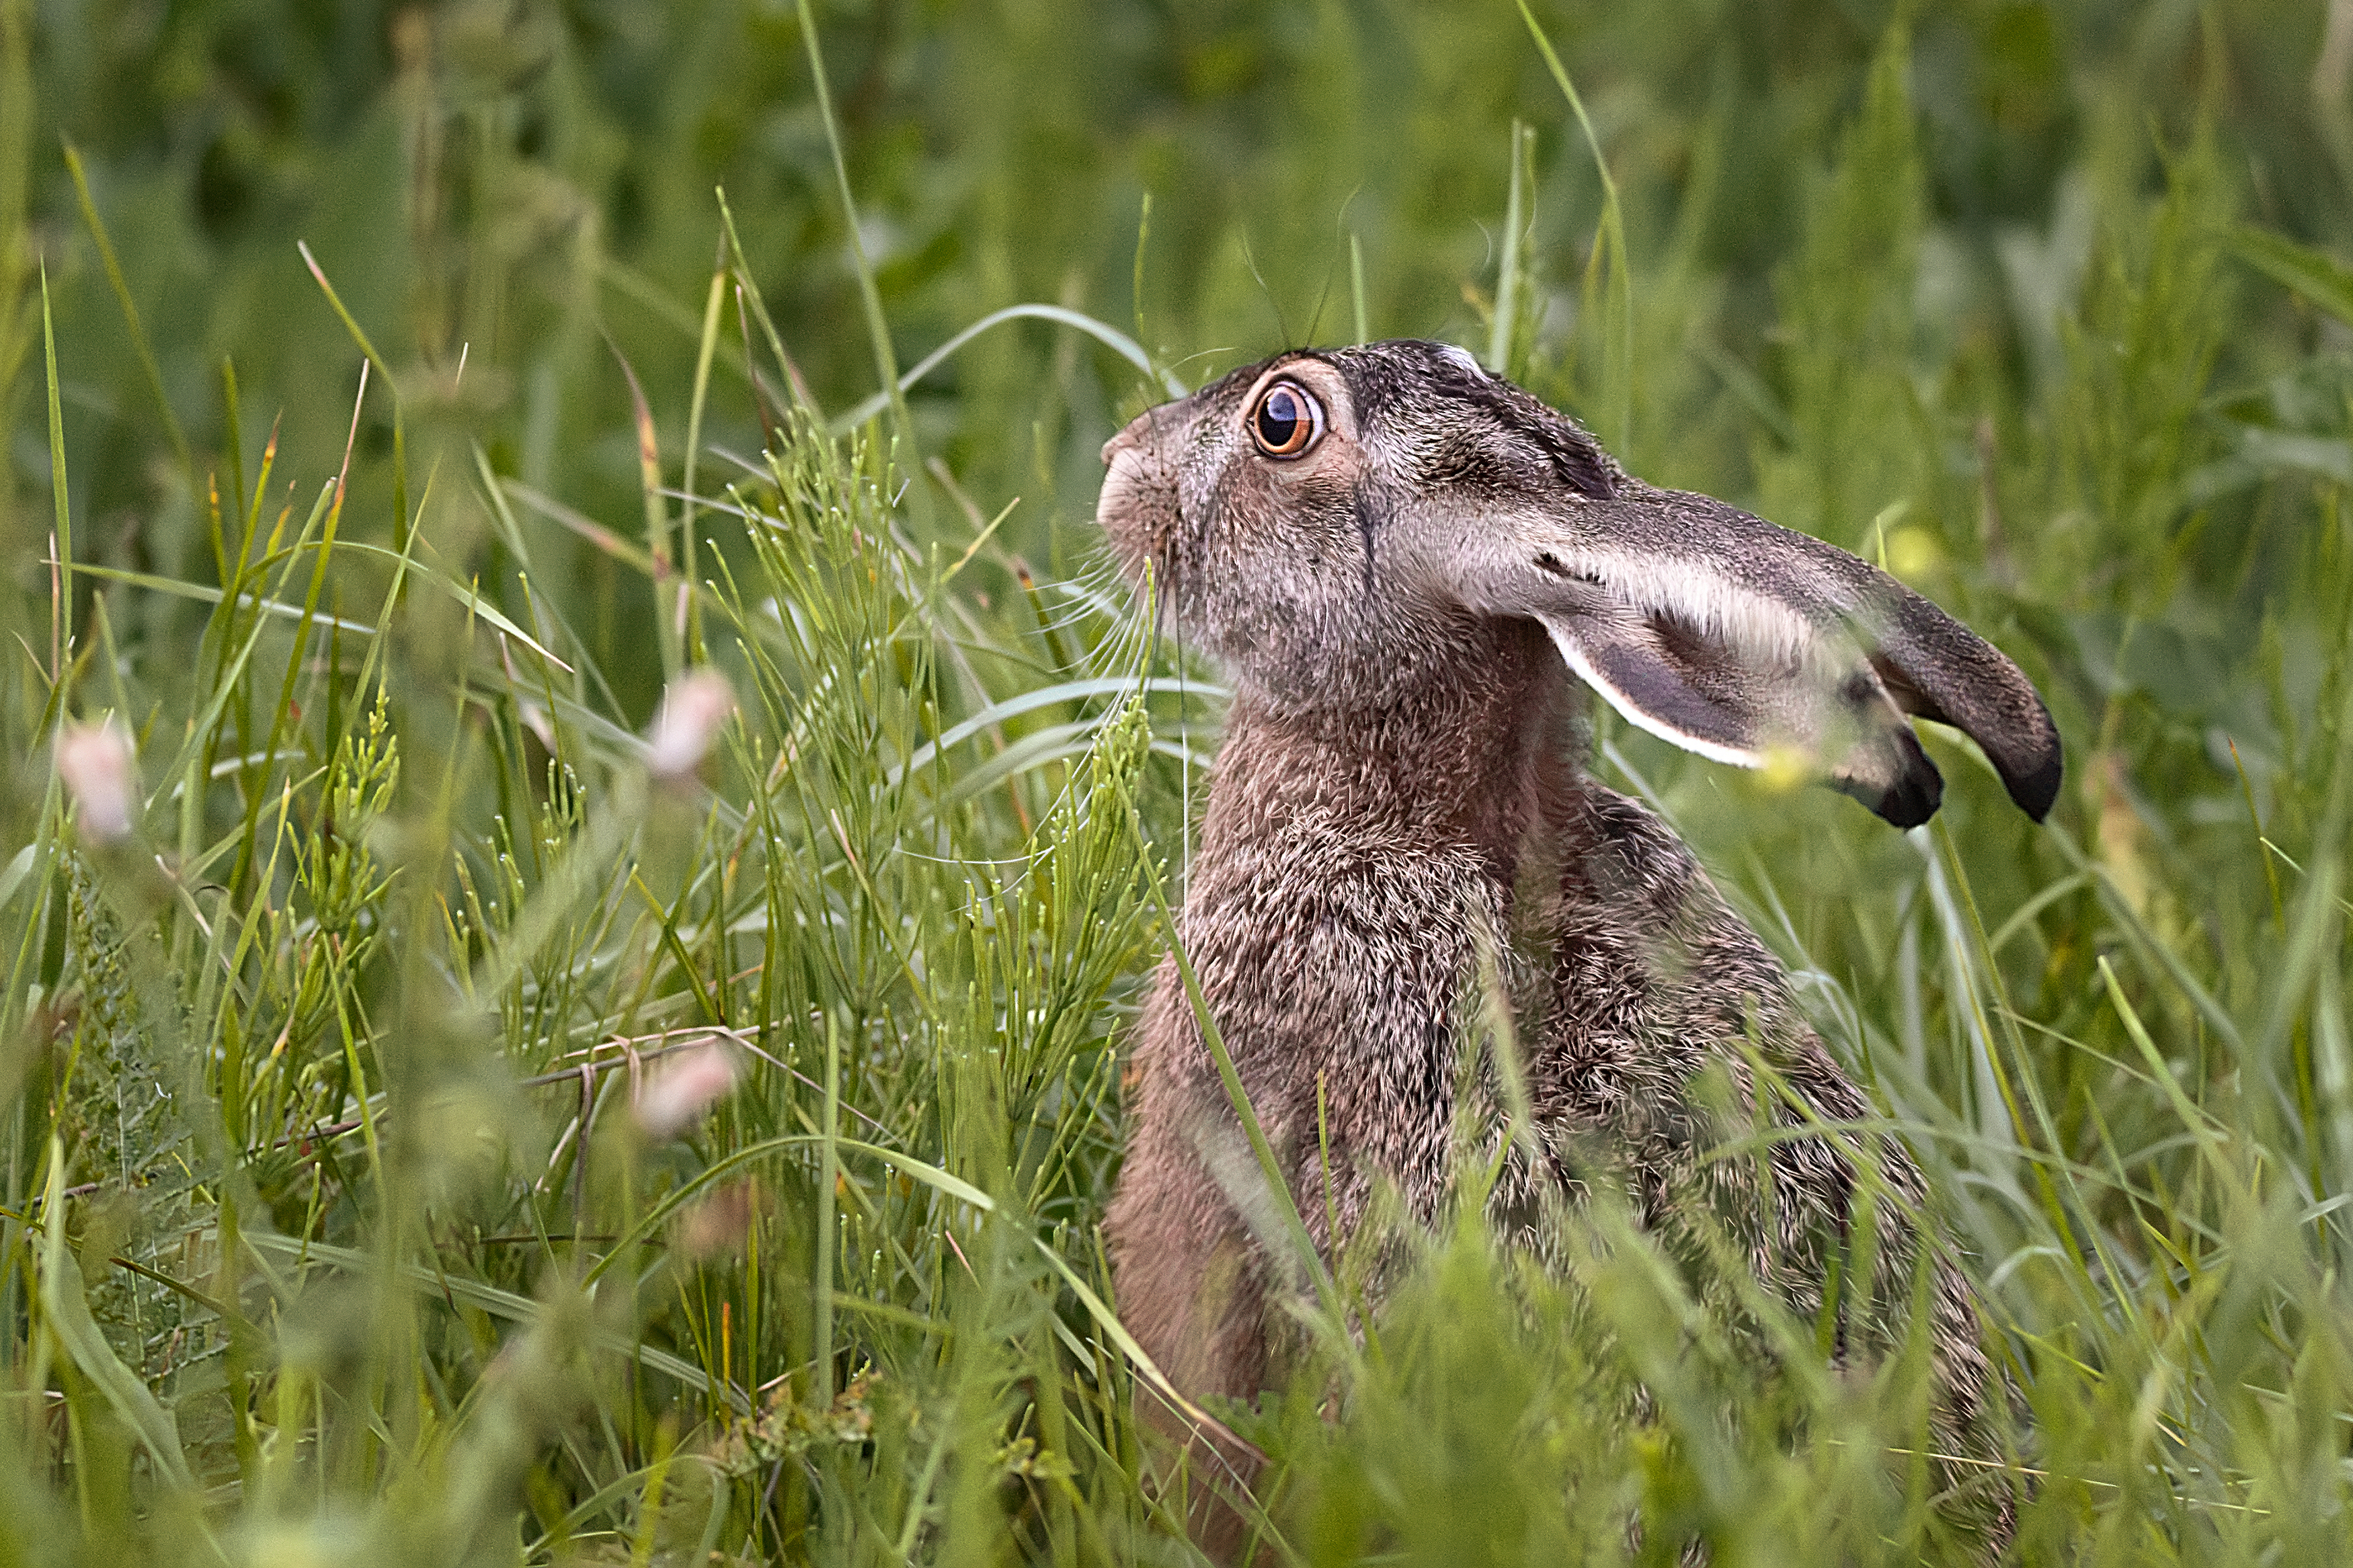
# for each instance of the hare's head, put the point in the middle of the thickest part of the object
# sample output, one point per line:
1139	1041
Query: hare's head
1339	526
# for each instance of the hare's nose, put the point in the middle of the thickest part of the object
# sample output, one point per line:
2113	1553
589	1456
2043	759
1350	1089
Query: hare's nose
1138	430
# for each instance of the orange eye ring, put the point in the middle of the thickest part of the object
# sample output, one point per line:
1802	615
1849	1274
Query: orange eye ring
1286	421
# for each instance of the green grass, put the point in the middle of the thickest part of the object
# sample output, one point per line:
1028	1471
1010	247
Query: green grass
328	1226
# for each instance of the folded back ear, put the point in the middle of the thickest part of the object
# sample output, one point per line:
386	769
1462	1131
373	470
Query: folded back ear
1749	642
1711	694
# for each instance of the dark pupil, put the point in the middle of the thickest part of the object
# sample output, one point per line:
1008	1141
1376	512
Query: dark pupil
1279	417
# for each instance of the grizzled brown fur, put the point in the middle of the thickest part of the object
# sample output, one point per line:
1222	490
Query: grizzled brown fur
1401	791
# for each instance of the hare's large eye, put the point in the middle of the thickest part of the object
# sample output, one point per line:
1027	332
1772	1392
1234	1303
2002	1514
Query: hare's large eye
1287	421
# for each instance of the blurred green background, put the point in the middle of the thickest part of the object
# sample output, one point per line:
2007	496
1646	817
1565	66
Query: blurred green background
1994	335
529	188
2034	303
522	181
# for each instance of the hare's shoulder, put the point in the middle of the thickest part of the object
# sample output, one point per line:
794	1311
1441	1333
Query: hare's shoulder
1652	974
1632	897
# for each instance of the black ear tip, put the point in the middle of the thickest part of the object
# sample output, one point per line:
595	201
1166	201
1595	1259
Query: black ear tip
1913	801
1910	801
2036	789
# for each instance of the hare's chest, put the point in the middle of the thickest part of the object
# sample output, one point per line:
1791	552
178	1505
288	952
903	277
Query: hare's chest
1348	968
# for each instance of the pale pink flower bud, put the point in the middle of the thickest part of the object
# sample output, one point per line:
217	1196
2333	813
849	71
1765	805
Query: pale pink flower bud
693	709
677	1090
100	770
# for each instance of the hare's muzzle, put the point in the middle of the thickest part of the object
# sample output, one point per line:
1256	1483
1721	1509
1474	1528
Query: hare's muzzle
1138	507
1138	432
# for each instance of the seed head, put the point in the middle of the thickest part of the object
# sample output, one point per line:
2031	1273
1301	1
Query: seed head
101	771
681	1087
691	710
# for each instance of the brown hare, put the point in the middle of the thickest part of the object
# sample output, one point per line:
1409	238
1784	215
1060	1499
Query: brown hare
1412	570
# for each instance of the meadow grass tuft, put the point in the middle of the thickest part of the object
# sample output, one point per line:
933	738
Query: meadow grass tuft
449	1113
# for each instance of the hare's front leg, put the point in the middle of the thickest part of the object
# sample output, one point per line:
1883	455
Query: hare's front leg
1185	1269
1186	1274
1334	968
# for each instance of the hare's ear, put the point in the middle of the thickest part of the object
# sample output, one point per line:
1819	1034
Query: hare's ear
1749	642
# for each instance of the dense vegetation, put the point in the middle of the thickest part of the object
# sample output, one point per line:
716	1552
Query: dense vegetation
441	1125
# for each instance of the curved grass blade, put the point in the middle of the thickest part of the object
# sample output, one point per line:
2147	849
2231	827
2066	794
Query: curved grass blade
1110	337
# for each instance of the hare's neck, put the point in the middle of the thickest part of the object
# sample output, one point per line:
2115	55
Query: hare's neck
1482	753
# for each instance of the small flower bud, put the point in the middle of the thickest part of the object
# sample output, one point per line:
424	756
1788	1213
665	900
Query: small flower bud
100	770
691	710
681	1088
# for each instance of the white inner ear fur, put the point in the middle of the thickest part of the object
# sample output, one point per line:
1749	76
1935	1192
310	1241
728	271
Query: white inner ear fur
1764	629
1574	656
